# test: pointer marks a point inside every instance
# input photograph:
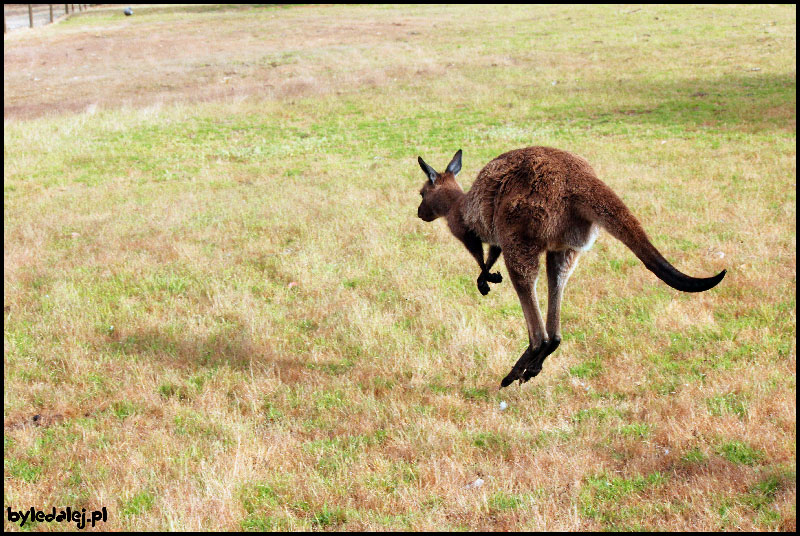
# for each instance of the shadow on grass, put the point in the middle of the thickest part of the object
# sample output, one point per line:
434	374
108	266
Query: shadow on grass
747	103
229	346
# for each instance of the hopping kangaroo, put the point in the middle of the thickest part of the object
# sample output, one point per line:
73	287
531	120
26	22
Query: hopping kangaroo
532	201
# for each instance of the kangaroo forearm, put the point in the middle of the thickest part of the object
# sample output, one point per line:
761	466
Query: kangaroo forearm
491	258
475	247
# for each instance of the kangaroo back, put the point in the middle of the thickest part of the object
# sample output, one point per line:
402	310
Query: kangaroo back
604	207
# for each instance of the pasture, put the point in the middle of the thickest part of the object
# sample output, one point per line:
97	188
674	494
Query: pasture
222	313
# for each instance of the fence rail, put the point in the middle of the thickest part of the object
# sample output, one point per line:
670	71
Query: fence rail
17	16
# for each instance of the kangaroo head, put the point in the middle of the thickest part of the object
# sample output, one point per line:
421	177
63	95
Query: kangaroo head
440	191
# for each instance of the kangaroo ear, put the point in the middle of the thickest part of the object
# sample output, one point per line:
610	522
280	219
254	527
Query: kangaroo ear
429	171
455	164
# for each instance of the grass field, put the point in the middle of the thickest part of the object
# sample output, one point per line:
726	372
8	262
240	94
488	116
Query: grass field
223	313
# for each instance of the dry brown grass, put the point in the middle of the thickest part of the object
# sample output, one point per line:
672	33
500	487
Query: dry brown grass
183	169
186	58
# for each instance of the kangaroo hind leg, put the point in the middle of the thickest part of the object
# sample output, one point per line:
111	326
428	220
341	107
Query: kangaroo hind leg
523	270
560	265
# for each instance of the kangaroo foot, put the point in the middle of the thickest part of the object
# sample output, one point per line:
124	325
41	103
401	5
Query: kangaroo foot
527	358
534	367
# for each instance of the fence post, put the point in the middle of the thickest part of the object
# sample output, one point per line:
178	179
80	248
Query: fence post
51	13
66	9
30	14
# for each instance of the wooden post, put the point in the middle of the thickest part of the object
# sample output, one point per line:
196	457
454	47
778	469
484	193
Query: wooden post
51	12
66	9
30	14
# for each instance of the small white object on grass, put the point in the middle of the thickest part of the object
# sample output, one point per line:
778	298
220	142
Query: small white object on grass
503	406
478	483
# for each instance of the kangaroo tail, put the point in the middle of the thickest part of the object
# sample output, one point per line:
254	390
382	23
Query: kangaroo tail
607	209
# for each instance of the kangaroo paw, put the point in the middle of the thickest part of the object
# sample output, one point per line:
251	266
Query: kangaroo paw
494	278
483	286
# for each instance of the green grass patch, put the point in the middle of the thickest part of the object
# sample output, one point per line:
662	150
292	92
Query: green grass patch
328	517
694	456
605	498
22	469
495	442
728	404
474	393
587	369
740	453
138	504
636	430
501	501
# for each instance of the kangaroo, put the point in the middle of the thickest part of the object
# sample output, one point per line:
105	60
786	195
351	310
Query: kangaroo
532	201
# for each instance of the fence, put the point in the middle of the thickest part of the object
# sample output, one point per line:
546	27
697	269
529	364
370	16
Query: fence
16	16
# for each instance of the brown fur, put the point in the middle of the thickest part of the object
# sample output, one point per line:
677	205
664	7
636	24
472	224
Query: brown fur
532	201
